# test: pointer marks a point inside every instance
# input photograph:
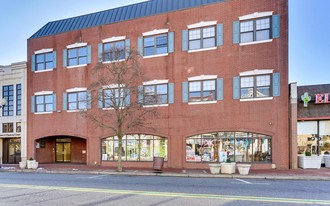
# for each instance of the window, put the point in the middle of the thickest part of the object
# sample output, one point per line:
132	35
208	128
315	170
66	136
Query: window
238	146
77	56
155	94
44	61
77	100
154	45
202	38
44	103
255	30
137	147
7	127
18	99
114	51
18	126
255	86
114	96
202	91
8	95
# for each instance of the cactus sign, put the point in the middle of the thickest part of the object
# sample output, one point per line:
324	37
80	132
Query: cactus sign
306	98
319	98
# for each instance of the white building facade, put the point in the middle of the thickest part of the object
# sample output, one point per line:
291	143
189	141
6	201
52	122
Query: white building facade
13	113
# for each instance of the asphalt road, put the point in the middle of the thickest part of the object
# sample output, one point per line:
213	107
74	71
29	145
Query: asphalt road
67	189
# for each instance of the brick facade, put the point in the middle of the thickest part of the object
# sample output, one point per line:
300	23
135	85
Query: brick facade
269	117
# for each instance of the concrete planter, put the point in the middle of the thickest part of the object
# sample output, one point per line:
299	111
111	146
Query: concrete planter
309	162
228	168
215	168
243	169
22	165
29	163
34	165
327	161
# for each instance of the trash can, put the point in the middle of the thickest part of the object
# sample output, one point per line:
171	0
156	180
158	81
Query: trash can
158	163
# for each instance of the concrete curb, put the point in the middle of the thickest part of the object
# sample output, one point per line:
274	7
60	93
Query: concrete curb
167	174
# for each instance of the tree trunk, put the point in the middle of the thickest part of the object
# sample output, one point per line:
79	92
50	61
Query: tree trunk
120	148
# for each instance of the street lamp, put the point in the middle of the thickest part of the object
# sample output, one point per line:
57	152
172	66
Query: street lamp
3	103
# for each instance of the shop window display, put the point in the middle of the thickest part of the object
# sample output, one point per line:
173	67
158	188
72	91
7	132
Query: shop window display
237	146
135	148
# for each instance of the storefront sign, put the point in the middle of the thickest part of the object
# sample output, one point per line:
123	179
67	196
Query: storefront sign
306	98
322	98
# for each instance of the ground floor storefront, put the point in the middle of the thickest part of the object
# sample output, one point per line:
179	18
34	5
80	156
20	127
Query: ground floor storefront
10	150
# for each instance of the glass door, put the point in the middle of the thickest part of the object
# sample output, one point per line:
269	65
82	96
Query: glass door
63	150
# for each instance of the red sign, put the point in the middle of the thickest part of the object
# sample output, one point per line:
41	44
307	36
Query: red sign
322	98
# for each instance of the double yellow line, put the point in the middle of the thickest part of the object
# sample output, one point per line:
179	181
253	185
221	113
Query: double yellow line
170	194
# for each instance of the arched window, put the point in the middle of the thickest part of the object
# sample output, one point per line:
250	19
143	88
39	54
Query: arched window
139	147
237	146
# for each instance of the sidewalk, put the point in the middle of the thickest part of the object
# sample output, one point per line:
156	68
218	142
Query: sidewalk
297	174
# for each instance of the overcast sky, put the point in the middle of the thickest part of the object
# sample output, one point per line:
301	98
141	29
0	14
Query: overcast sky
309	25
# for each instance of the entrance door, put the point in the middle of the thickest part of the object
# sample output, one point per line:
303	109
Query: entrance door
63	152
12	151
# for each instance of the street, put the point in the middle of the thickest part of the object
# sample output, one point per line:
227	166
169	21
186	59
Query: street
68	189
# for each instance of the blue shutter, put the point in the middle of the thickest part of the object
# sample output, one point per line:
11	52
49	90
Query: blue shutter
54	59
184	40
219	34
235	32
127	48
140	95
100	98
170	42
64	102
33	63
220	89
184	92
33	104
276	85
89	54
140	46
171	93
65	62
54	102
276	27
236	88
89	99
127	97
100	52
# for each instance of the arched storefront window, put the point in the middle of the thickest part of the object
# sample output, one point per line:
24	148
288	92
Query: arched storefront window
137	147
238	146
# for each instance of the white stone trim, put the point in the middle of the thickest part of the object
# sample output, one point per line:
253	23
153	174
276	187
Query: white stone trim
256	15
43	93
202	24
45	70
256	42
155	32
202	77
75	45
76	110
153	82
77	89
114	61
43	113
155	105
113	86
76	66
113	39
256	72
205	102
41	51
204	49
157	55
256	99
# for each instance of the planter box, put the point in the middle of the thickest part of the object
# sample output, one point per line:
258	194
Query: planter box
311	162
29	163
34	165
228	168
243	169
22	165
215	168
327	161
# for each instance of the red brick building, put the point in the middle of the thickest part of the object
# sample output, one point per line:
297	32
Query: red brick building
221	66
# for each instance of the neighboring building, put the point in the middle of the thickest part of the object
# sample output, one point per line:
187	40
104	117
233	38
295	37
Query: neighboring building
221	66
313	118
13	113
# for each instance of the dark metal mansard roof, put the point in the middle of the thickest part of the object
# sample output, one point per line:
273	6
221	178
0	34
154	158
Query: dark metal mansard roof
134	11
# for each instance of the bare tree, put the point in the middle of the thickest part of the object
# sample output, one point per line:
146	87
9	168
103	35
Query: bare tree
116	89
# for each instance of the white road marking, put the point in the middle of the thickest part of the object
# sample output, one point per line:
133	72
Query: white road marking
250	183
92	177
243	181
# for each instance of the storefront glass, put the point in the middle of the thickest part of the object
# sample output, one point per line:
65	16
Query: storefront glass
135	148
236	146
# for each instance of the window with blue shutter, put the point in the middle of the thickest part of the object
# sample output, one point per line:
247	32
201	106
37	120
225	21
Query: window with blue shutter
236	88
185	92
156	94
100	52
170	42
140	46
155	45
140	95
220	89
219	34
43	61
100	98
64	101
33	104
236	32
171	93
276	85
77	56
276	27
127	97
127	48
54	102
114	51
185	40
44	103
